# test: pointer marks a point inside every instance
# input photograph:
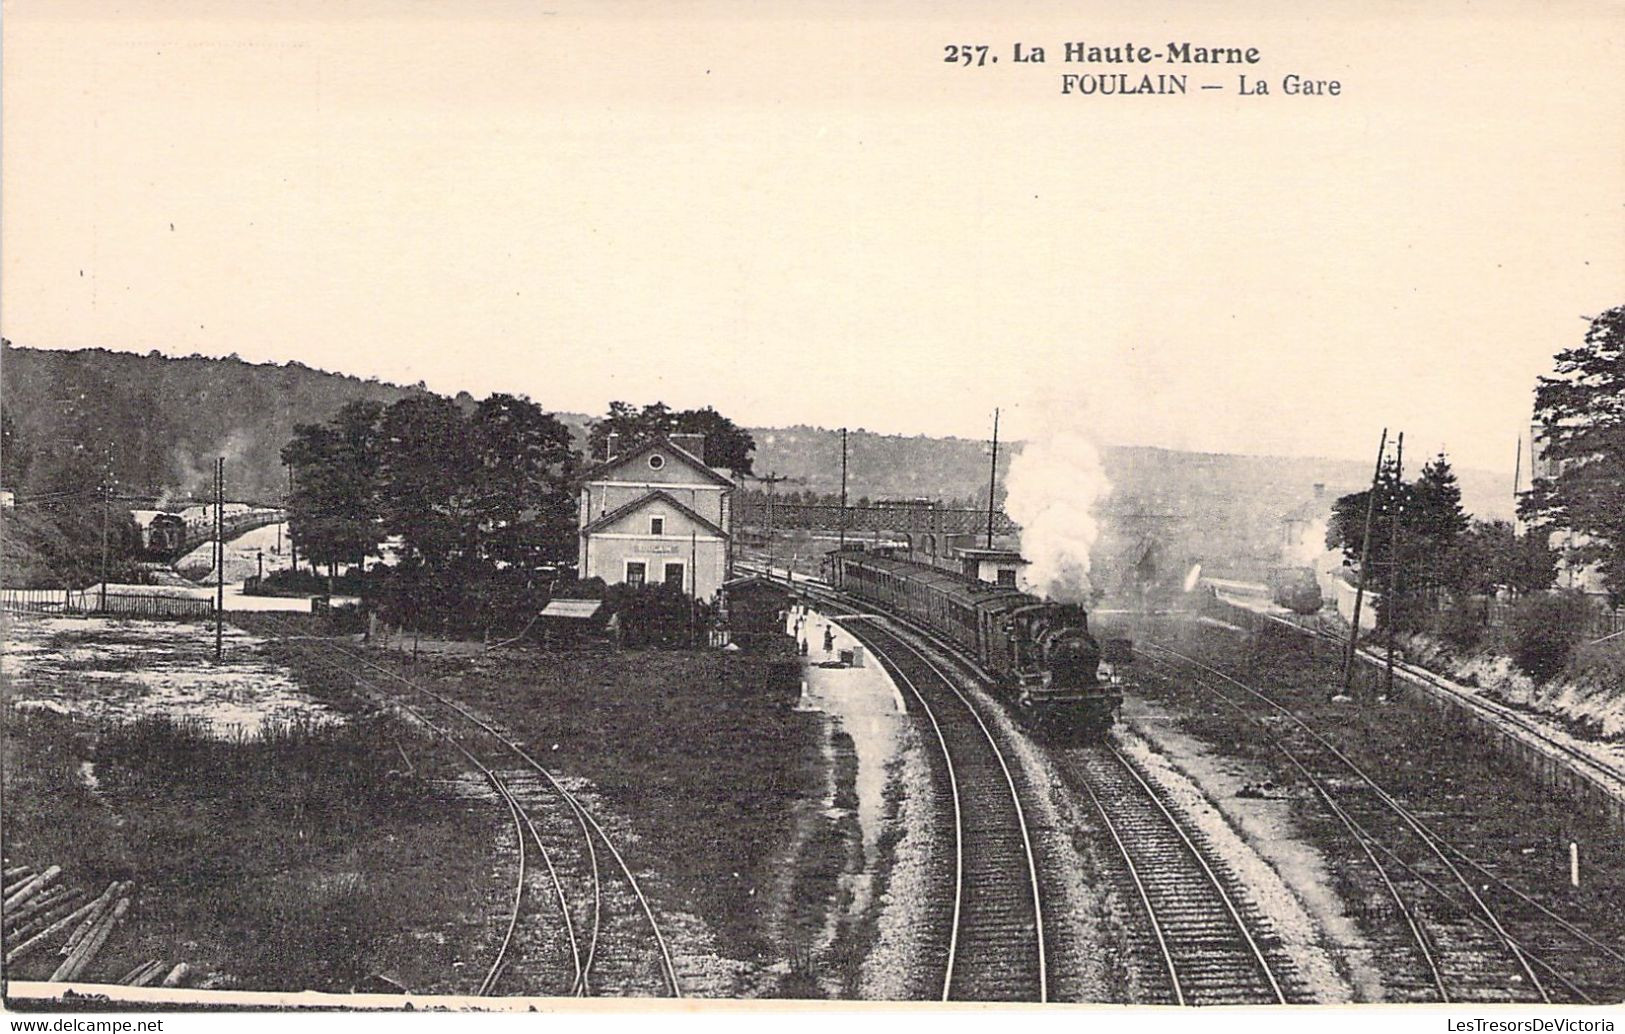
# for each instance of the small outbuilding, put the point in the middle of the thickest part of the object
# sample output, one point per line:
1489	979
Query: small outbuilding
995	566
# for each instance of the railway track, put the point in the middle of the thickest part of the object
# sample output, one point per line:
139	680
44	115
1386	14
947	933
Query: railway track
1489	710
611	942
1206	943
1473	935
995	949
1202	930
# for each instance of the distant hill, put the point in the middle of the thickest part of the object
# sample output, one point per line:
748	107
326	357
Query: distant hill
1200	505
160	422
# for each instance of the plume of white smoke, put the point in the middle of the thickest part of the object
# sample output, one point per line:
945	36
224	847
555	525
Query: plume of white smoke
1053	488
1308	549
192	474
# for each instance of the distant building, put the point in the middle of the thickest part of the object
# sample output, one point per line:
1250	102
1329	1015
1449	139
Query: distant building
657	514
1303	528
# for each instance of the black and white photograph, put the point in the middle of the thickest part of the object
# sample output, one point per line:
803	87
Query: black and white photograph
571	507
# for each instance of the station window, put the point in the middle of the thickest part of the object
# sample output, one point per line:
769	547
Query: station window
656	461
637	572
1007	577
674	576
657	525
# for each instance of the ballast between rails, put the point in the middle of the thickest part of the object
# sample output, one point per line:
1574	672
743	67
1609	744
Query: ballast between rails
1206	957
884	653
1480	911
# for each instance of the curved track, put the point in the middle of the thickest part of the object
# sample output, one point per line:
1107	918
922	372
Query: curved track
1204	936
1476	938
996	948
595	952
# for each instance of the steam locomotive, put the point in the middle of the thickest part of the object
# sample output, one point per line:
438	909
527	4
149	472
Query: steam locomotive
1044	661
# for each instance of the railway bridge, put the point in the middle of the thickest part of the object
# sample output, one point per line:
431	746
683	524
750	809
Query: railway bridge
759	514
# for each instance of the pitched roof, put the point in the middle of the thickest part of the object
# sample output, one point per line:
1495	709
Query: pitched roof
658	495
577	609
649	446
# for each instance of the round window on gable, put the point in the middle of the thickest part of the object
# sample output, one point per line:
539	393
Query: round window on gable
656	461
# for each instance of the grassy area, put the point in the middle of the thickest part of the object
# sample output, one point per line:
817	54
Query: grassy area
312	855
693	750
302	857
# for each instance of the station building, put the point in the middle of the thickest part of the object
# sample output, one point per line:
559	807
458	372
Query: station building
657	514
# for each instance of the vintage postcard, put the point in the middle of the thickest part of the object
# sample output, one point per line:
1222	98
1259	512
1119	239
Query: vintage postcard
559	506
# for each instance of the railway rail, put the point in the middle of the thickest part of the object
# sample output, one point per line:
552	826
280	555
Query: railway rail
1474	936
1201	933
1489	710
604	941
996	949
1202	930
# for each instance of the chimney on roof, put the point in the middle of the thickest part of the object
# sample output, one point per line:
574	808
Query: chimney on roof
611	445
693	444
1320	489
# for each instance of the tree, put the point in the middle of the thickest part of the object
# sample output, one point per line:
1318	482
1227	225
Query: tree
1581	413
726	444
425	495
1431	522
523	463
1490	554
1438	517
15	455
333	512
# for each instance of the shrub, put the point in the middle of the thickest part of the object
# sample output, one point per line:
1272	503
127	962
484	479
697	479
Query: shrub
1545	630
1462	624
657	615
1602	663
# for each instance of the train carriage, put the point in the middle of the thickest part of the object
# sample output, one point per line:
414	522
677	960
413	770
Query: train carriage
1040	653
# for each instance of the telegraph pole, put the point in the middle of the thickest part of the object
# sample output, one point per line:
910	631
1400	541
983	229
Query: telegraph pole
843	488
220	555
293	547
1365	556
771	480
992	477
107	506
1393	558
1517	483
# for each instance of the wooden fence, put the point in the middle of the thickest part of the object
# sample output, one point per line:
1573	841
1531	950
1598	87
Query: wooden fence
91	601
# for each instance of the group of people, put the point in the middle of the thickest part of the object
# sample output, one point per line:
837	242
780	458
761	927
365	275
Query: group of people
799	615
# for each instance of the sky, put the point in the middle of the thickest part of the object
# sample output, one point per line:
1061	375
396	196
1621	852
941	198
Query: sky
802	214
